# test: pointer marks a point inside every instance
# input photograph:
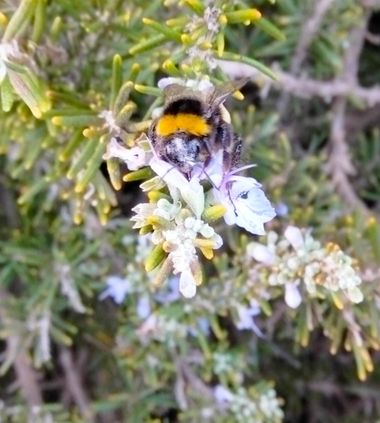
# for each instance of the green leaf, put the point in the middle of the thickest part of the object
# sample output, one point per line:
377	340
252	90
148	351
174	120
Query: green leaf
20	19
7	95
270	29
29	89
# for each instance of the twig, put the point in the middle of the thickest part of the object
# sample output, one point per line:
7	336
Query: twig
372	38
179	387
309	30
194	381
371	4
301	86
359	120
329	388
27	378
339	164
306	88
74	384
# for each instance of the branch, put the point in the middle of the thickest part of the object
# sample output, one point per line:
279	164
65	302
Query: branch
26	376
371	4
309	30
194	381
360	120
339	164
306	88
74	384
301	86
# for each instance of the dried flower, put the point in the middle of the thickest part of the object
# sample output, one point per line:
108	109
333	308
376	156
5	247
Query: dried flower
201	51
110	122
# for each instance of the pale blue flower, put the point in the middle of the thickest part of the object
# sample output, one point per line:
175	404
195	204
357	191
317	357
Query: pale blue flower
247	206
117	289
245	201
282	209
170	292
143	308
222	395
202	325
246	317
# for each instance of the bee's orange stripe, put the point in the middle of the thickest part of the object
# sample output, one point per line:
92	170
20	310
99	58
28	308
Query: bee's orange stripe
186	122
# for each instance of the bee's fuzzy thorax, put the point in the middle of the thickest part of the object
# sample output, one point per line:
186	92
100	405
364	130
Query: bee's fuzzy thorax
190	123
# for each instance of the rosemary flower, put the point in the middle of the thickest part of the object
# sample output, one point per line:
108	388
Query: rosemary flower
117	289
299	260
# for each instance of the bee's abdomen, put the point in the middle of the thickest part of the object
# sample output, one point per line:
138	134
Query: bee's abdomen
189	123
184	115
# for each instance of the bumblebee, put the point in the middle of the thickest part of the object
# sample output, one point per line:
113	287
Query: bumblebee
195	125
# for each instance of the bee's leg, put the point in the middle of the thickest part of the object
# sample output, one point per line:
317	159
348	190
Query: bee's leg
231	144
237	144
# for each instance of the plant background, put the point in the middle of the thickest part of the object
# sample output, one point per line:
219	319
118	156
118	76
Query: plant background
69	356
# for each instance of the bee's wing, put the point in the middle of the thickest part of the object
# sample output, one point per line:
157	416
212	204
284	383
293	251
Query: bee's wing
221	92
175	92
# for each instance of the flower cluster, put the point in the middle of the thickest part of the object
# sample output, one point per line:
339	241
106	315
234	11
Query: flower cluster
299	258
179	233
181	207
258	405
163	329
